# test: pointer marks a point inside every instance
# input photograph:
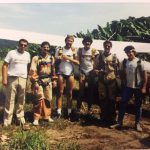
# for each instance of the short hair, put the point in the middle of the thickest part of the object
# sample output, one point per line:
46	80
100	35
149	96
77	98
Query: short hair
23	40
87	39
69	37
107	42
45	43
129	48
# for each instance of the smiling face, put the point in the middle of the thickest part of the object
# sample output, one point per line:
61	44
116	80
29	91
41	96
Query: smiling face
107	48
69	42
130	54
44	49
87	45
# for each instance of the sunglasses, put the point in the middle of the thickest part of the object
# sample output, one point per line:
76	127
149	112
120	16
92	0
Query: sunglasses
25	45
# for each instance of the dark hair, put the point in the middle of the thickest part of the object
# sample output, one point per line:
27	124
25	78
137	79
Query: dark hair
23	40
69	37
87	39
107	42
45	43
129	48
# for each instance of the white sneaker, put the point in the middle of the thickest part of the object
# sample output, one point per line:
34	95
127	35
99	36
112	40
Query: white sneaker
36	122
50	119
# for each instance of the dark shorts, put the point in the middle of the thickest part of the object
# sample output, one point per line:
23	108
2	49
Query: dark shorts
66	77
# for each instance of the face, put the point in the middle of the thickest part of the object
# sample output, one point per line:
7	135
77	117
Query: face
44	49
22	46
130	55
107	48
87	45
69	42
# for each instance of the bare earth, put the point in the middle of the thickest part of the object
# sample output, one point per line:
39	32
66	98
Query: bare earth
95	136
90	134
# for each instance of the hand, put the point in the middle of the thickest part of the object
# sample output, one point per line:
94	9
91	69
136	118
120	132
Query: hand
64	57
4	82
143	90
54	84
96	72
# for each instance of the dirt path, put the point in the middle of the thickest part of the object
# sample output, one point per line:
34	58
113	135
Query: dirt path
98	137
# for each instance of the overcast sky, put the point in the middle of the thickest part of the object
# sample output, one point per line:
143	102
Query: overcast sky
66	18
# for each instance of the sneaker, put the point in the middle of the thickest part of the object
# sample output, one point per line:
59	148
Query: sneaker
36	122
50	119
138	127
116	126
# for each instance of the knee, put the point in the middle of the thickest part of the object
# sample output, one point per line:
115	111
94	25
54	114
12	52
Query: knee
69	94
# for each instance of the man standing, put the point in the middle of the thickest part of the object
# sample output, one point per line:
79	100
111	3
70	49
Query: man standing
67	57
41	73
86	56
106	67
14	77
134	79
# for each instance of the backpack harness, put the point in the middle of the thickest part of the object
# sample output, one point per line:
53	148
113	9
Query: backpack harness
40	64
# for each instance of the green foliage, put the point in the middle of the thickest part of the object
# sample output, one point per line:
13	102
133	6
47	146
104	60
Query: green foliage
3	52
131	29
28	140
33	49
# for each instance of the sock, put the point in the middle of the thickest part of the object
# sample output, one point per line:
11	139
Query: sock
59	110
69	111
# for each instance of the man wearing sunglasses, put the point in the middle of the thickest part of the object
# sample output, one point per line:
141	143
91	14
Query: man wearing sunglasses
14	77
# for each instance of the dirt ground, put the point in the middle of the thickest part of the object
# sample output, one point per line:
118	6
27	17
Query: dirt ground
90	134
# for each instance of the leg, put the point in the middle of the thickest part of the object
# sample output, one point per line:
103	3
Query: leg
21	99
81	90
47	101
38	105
10	100
111	107
102	99
90	90
138	103
126	96
69	86
60	83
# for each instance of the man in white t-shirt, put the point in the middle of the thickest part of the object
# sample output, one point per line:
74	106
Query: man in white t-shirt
67	57
86	56
134	79
14	77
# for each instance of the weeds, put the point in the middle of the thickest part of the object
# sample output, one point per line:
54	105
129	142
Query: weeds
24	140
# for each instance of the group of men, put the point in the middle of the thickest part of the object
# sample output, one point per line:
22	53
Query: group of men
92	63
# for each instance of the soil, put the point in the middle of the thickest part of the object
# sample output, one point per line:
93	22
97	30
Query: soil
90	134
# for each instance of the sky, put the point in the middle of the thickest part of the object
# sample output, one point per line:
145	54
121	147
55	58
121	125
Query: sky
67	18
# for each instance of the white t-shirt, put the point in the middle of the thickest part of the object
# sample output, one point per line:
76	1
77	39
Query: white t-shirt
17	63
65	67
86	64
130	72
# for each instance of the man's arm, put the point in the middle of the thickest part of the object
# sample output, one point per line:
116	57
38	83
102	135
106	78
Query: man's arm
4	73
143	90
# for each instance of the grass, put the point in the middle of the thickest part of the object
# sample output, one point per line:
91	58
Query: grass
29	140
